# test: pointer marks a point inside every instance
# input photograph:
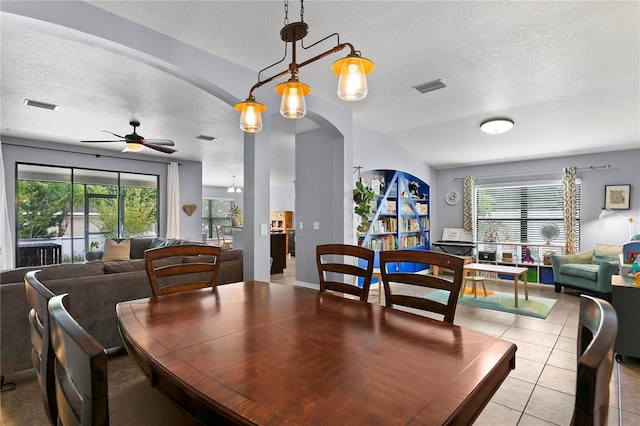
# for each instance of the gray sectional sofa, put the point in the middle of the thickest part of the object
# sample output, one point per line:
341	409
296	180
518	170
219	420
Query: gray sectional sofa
94	289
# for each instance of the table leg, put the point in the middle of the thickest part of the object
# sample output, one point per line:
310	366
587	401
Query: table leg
526	288
515	288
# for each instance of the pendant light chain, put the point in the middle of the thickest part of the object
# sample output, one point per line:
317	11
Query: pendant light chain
286	12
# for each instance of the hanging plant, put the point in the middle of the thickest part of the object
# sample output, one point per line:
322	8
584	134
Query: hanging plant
362	196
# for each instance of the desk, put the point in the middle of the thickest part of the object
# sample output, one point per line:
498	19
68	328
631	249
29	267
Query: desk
514	271
625	298
260	353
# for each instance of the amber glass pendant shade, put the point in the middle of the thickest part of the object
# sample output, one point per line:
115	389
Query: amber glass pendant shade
293	92
250	115
352	84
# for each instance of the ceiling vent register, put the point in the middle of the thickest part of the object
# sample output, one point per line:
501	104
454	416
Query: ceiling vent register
430	86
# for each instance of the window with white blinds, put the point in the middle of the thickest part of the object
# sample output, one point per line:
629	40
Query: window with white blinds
517	212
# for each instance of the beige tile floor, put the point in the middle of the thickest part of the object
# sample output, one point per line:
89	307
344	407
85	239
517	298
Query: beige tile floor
541	390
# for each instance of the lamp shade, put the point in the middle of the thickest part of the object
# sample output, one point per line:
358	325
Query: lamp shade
293	93
231	189
133	147
353	70
250	115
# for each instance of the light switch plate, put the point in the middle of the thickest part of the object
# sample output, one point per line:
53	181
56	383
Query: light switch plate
316	225
301	225
264	230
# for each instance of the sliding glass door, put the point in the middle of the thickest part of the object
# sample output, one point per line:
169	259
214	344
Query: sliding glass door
64	212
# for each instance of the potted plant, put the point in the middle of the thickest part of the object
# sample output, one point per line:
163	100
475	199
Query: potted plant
362	196
93	245
235	216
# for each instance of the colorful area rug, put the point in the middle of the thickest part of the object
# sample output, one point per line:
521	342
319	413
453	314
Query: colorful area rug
538	307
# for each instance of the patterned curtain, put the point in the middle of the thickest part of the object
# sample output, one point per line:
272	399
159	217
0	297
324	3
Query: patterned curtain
467	212
569	208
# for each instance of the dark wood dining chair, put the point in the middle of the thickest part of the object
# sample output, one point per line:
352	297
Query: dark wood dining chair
335	259
175	269
42	355
81	381
597	330
390	267
80	370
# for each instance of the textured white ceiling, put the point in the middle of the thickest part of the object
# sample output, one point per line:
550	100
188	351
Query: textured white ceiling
566	72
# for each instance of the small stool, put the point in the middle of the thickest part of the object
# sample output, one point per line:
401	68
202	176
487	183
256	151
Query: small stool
474	279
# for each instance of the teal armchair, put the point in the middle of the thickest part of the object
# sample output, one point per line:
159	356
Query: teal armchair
589	271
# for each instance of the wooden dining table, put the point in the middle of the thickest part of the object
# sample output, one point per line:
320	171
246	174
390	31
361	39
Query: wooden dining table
262	353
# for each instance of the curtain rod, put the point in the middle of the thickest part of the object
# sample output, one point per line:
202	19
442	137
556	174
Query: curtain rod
590	168
84	153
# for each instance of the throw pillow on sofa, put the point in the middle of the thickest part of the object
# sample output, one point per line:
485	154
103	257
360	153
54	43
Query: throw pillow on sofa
606	253
116	251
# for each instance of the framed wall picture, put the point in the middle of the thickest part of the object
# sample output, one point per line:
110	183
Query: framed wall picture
616	197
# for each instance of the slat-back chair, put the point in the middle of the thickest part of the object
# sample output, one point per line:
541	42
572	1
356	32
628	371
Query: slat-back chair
330	259
389	260
80	370
42	355
185	267
222	239
597	330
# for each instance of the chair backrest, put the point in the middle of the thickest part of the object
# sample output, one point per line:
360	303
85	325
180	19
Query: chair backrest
42	355
391	270
175	269
80	370
597	330
343	259
222	239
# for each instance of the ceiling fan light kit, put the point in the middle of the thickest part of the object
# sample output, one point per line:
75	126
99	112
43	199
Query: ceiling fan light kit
136	143
352	83
496	126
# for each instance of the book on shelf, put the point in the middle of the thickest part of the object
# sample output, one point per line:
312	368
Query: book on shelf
422	208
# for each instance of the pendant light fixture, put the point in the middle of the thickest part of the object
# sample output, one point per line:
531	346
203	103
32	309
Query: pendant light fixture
352	83
233	187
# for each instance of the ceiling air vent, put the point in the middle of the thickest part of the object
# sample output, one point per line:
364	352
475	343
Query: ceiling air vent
37	104
206	138
430	86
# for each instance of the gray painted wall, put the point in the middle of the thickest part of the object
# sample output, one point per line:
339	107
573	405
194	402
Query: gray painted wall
625	169
319	177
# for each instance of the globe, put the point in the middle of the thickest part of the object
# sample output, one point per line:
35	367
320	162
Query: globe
549	232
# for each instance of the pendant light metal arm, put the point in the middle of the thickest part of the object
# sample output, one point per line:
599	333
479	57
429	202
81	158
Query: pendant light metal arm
293	67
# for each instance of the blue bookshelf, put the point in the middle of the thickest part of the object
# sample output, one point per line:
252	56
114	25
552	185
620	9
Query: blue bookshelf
400	216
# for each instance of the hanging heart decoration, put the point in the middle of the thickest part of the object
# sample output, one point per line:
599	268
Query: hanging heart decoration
189	209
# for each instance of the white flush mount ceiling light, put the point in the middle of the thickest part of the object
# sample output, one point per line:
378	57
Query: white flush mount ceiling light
496	126
233	187
352	83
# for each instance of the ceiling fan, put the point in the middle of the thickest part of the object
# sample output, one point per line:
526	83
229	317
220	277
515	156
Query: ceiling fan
135	142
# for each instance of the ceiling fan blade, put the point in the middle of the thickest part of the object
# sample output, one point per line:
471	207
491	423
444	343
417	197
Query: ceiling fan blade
160	148
106	131
101	141
165	142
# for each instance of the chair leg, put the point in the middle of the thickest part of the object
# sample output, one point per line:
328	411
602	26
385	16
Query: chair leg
6	386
